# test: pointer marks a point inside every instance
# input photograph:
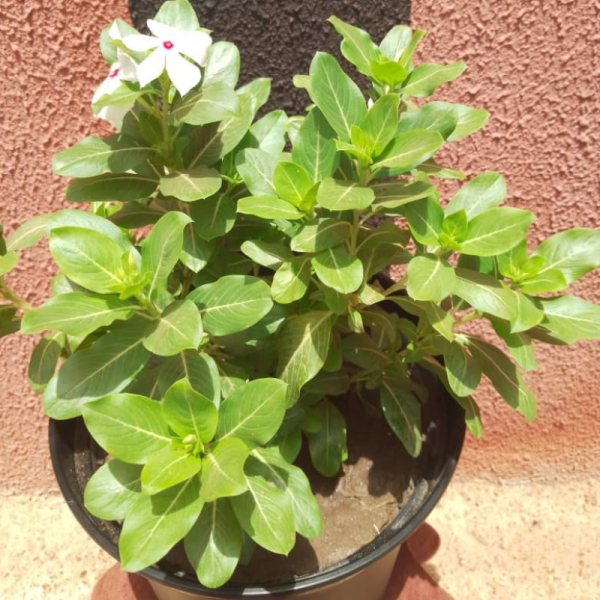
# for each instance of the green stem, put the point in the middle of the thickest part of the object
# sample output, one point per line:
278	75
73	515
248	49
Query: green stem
13	297
399	285
466	318
354	232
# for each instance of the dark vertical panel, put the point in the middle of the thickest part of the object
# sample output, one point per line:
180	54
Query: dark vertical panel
277	39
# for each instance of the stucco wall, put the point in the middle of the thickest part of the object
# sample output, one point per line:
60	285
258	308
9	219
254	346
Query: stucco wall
534	65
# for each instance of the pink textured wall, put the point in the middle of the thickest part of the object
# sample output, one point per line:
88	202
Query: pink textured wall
534	65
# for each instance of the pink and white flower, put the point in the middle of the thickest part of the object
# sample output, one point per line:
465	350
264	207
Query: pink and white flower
169	47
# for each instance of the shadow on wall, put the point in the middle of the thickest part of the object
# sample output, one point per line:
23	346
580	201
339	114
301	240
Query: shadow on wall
278	38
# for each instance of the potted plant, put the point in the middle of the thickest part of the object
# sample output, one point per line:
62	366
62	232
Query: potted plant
221	309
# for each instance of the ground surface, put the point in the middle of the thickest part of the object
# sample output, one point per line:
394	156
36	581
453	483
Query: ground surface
507	541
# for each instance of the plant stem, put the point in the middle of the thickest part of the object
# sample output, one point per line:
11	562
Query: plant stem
399	285
13	297
466	318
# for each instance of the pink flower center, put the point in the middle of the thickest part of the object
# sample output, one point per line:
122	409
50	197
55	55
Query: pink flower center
167	45
114	73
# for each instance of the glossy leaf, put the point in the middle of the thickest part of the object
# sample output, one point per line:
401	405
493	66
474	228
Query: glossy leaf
222	64
429	278
232	303
571	318
268	133
154	524
320	234
76	313
268	207
291	280
124	187
196	184
483	192
266	254
28	234
328	446
381	123
464	373
470	120
425	218
214	102
395	42
167	468
213	217
433	116
292	183
338	270
427	77
338	195
128	427
44	359
253	412
178	328
190	413
112	489
303	344
223	470
409	149
396	194
214	544
402	411
337	96
357	46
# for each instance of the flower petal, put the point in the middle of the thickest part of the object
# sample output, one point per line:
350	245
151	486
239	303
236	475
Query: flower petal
108	86
127	67
152	67
183	73
140	42
114	114
114	32
164	32
194	44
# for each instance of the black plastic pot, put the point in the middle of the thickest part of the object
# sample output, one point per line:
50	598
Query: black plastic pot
362	575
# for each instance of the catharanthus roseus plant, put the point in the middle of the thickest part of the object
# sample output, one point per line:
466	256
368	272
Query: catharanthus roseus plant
223	297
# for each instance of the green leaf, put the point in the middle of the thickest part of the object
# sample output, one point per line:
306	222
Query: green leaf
409	149
359	349
314	147
44	359
223	470
292	183
338	270
496	230
393	195
253	412
106	367
8	262
75	314
320	234
433	116
337	96
455	229
574	252
162	249
303	346
232	303
90	259
425	218
429	278
112	489
551	280
439	318
328	445
215	140
268	133
178	14
388	72
258	90
464	372
213	217
222	65
28	234
108	188
167	468
190	413
520	345
134	215
94	156
268	207
396	41
427	77
338	195
402	411
407	54
196	184
266	254
198	368
270	464
86	220
178	328
291	280
357	47
571	318
470	120
381	123
130	428
505	377
154	524
214	545
196	252
386	233
266	515
257	168
210	104
481	193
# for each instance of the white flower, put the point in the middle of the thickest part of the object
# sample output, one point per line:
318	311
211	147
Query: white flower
124	69
169	45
